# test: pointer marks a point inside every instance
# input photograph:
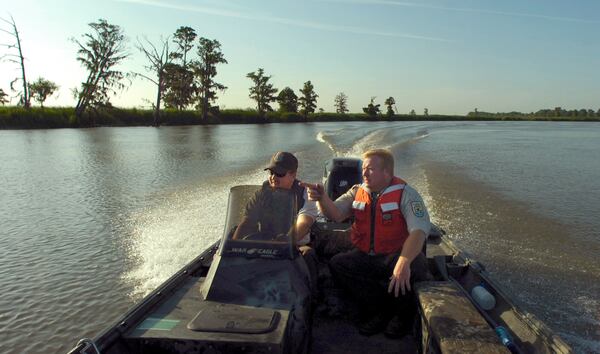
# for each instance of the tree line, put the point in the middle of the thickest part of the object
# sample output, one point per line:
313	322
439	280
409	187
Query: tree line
184	76
183	69
557	112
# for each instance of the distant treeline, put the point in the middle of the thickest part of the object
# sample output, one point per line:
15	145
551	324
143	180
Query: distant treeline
558	113
53	117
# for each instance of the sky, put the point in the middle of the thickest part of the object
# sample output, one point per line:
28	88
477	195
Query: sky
448	56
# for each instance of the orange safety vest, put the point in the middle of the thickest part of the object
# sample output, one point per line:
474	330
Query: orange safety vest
379	228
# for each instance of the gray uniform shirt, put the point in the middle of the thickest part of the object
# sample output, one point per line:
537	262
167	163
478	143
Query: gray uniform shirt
310	209
412	207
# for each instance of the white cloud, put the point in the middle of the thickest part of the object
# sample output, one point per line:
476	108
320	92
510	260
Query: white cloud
282	20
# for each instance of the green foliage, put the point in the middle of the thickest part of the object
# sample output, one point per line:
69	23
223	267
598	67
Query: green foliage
390	102
288	101
341	103
59	117
103	50
184	38
41	89
179	75
205	70
308	99
178	86
372	109
35	118
426	112
262	92
558	113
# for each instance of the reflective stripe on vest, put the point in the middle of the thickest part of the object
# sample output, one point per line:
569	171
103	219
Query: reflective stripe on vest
390	229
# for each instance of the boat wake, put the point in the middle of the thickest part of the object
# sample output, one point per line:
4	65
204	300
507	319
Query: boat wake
165	237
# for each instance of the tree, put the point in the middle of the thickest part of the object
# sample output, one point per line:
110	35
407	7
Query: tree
308	99
103	50
179	78
41	89
178	86
157	65
184	37
341	103
3	96
288	101
557	111
372	109
18	58
426	112
412	112
390	102
205	70
262	92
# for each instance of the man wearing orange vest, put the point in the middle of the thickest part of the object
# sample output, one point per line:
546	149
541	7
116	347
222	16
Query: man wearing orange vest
389	230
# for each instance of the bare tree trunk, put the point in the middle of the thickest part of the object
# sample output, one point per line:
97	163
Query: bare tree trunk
158	97
21	62
158	62
26	102
205	106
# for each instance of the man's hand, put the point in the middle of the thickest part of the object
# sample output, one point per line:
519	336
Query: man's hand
315	191
400	279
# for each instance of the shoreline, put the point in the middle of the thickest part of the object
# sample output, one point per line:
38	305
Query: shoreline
18	118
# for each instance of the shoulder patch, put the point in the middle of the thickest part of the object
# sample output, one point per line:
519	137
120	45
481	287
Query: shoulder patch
418	209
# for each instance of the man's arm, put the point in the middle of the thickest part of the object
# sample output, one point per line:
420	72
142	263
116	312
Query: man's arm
327	206
418	224
245	228
400	279
302	227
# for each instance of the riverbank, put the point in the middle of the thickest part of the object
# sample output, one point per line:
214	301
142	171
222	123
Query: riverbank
64	117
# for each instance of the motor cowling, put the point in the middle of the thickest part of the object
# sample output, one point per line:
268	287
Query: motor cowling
340	174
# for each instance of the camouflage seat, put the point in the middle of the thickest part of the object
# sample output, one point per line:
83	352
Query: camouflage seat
451	323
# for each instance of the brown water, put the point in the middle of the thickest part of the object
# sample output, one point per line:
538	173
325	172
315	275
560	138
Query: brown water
93	219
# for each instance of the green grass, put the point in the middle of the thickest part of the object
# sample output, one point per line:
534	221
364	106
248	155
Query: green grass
64	117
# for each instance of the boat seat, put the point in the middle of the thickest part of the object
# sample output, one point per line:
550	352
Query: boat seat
451	323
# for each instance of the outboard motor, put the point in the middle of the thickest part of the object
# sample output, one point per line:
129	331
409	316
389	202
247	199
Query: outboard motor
340	174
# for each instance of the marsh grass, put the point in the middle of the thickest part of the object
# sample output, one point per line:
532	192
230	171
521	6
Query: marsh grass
64	117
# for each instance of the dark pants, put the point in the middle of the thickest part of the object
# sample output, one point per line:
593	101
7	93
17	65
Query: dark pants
367	279
312	263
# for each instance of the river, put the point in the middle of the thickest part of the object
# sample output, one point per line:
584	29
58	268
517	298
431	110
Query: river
91	220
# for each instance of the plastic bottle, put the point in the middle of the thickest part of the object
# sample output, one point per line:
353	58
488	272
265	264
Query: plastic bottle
506	339
483	297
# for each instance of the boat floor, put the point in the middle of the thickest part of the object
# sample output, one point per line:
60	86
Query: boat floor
339	336
335	330
334	327
334	323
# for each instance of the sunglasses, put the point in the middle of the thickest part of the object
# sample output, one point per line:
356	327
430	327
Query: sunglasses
280	175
